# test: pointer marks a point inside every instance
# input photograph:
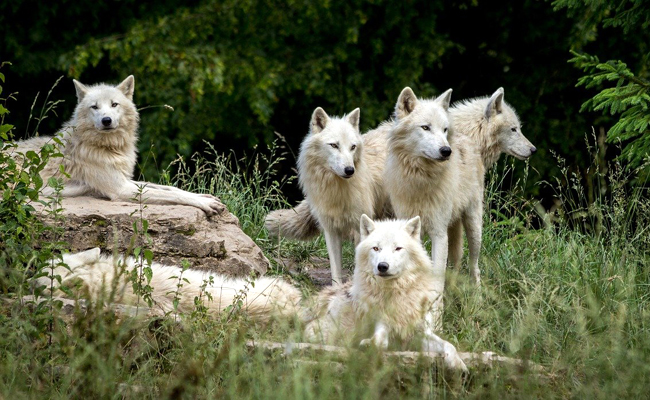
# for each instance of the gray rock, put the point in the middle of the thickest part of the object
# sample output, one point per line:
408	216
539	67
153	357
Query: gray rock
176	233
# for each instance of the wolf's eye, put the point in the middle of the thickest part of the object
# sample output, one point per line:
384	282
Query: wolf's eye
354	146
375	248
334	145
398	248
425	127
446	129
94	107
513	129
114	105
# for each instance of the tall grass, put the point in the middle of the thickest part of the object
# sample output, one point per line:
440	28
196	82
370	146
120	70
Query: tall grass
567	289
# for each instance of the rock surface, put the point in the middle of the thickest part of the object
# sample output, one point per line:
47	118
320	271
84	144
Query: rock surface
176	233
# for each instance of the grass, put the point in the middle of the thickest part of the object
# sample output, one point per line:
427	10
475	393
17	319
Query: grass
568	290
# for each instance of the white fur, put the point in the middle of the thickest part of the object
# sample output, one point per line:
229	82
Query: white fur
100	158
493	125
440	190
262	298
336	198
392	306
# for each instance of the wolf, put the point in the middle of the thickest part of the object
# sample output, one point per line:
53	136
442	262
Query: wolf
433	173
88	271
99	151
493	125
390	295
335	177
489	121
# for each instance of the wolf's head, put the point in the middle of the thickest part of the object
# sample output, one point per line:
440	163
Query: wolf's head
390	249
422	126
106	108
503	124
83	259
333	144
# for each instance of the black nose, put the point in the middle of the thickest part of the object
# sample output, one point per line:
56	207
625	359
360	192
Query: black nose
106	121
349	171
445	151
382	266
533	150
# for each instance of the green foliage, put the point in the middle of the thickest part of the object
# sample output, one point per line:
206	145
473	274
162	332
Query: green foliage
630	98
623	94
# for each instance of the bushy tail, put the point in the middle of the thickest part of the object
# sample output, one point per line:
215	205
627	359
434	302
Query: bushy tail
262	298
296	223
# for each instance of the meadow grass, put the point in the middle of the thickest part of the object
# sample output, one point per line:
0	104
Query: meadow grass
569	290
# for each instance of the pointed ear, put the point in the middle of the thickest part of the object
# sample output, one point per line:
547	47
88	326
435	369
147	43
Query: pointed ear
366	227
495	104
445	99
353	118
413	227
89	256
127	86
80	88
406	103
319	120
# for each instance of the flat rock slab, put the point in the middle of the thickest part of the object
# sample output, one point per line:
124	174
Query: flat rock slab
176	233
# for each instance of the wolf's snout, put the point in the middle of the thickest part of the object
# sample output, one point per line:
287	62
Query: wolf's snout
382	267
349	171
533	150
445	151
106	121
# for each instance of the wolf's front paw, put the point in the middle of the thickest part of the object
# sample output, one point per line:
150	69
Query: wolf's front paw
380	342
210	205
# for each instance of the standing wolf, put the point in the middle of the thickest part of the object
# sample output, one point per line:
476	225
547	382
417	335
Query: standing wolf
262	299
433	173
336	180
389	297
99	151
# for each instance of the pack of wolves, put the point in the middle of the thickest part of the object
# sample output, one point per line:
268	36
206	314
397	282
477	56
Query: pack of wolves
422	172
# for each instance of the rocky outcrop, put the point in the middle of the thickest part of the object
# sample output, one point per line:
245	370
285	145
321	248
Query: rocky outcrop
176	233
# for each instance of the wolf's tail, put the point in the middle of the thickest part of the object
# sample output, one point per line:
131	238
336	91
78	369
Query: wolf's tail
296	223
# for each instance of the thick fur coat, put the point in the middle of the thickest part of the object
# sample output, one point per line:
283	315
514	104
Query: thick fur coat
389	298
262	298
99	151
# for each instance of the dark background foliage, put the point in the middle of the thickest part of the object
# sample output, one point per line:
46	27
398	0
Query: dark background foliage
238	71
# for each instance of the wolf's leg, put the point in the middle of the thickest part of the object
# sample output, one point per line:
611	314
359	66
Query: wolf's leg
334	243
473	223
174	189
379	338
435	344
439	251
455	233
129	189
70	190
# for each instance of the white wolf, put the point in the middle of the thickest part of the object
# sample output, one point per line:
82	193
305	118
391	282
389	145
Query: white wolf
493	125
389	297
433	173
99	151
266	298
334	174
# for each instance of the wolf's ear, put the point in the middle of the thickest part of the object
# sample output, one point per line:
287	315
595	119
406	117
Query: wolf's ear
445	99
89	256
413	227
406	103
353	118
319	120
495	104
366	227
80	88
127	86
